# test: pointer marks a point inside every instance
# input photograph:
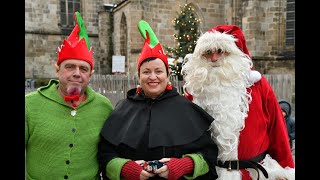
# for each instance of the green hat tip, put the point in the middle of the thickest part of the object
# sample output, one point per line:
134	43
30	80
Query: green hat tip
83	31
143	27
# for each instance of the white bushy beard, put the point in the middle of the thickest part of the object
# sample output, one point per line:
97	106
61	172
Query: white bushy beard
220	88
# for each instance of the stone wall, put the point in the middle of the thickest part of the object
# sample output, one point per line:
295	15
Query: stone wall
43	35
275	66
263	23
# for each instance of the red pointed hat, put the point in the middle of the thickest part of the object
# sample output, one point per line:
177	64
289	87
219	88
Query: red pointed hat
151	46
77	46
236	32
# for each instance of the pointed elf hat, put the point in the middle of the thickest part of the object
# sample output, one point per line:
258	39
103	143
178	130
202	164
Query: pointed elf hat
77	46
151	46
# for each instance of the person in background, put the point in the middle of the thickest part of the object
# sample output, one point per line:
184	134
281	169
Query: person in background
63	119
156	124
291	127
249	128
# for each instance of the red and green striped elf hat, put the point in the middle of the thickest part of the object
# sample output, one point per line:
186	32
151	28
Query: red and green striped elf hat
77	46
151	46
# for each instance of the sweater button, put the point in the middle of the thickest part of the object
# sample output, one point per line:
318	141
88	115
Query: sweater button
67	162
65	177
70	145
73	129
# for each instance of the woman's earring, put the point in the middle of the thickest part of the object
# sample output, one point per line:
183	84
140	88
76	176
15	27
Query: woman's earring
138	90
169	87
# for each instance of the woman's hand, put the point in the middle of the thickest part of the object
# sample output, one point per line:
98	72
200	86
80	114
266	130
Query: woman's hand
163	171
144	174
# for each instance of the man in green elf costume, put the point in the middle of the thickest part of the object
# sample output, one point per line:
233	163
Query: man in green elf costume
64	118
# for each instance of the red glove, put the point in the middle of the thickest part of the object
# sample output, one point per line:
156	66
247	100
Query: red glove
179	167
131	170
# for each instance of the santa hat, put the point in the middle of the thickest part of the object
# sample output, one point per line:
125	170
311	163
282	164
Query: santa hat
228	38
151	46
77	46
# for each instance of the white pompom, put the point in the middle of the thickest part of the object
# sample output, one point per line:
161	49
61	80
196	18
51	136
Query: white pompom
255	76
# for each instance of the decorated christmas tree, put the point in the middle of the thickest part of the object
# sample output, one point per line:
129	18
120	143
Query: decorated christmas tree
186	24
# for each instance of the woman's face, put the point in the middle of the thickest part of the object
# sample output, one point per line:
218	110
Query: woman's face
153	77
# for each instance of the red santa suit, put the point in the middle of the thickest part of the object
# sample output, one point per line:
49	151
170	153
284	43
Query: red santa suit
249	124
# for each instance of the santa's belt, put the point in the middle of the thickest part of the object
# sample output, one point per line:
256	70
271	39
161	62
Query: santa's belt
243	164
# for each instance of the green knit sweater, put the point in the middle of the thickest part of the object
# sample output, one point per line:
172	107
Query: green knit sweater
59	145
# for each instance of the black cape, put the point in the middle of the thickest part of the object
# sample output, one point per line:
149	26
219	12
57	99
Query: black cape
171	118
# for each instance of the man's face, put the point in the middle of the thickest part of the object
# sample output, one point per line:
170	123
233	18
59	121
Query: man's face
74	76
214	55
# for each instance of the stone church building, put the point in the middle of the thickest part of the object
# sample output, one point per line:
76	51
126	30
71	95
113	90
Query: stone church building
268	27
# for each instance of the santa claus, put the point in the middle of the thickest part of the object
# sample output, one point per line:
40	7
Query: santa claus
249	127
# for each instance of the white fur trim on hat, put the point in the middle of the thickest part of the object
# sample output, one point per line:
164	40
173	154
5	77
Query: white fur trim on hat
216	40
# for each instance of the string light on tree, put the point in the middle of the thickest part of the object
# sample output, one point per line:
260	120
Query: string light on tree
186	24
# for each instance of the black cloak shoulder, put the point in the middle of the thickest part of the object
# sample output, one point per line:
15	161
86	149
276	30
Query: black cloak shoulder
171	119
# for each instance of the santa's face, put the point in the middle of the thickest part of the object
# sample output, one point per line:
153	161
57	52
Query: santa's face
203	74
214	55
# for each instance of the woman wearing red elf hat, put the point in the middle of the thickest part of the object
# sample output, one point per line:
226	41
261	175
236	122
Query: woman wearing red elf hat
249	127
64	118
155	133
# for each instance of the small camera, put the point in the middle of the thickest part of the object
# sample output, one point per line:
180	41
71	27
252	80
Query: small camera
152	166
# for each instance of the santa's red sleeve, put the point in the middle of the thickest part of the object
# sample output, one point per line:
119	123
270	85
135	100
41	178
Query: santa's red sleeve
279	147
265	128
